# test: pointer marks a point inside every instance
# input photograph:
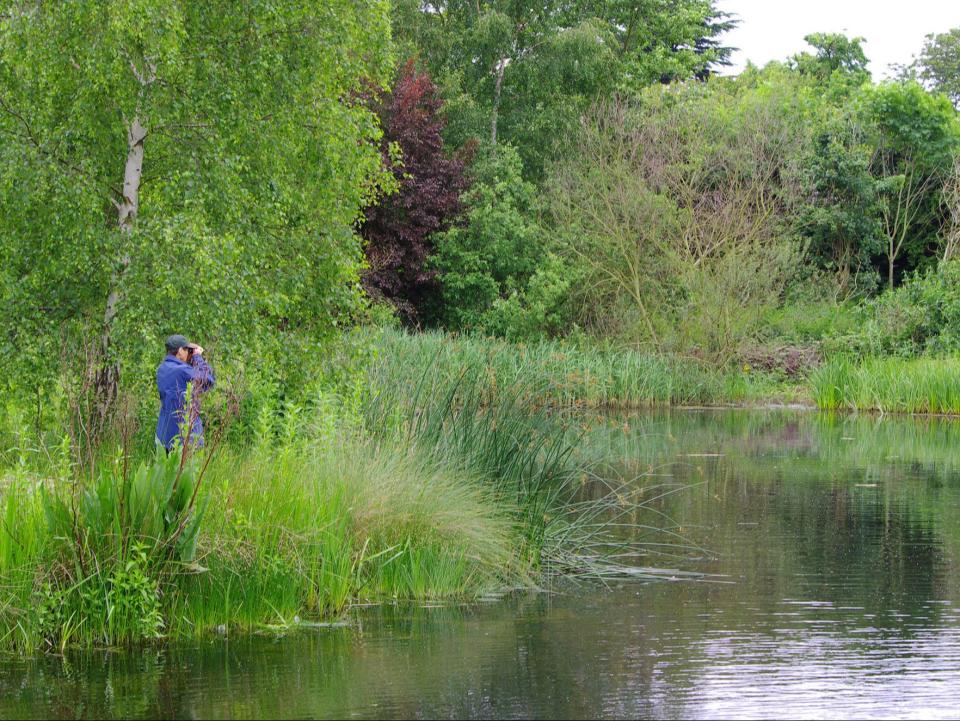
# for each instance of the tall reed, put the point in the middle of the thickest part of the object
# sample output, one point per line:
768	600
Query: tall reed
502	430
286	533
567	376
889	385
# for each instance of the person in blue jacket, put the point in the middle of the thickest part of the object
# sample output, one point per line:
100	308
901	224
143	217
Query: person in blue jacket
183	365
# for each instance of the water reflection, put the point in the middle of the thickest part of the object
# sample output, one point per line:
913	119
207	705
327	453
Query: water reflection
838	539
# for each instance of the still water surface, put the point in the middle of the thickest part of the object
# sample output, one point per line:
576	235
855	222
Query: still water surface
832	548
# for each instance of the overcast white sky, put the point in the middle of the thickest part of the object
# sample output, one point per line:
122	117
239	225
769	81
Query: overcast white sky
894	29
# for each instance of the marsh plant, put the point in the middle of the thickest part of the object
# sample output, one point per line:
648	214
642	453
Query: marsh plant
432	494
111	543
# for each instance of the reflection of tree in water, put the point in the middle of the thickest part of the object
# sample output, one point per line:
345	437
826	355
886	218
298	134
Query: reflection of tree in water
631	443
860	547
521	658
859	511
94	684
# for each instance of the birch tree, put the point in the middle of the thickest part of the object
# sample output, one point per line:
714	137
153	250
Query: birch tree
169	165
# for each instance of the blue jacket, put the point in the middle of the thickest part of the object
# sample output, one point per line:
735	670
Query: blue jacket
173	375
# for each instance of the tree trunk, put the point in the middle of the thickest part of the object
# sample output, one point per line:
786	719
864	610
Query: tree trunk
498	84
108	376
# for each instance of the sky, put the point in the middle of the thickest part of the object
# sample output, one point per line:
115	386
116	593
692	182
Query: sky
894	30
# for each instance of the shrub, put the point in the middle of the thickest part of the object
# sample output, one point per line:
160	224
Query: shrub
398	228
678	207
541	310
496	250
921	316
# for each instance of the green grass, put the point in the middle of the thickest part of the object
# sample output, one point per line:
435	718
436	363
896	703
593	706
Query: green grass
296	532
312	531
889	385
561	376
566	376
436	490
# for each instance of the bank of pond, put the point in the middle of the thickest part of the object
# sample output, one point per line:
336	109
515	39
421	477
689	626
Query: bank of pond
431	492
461	474
565	375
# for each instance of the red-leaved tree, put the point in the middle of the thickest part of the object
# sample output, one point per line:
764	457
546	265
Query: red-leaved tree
398	229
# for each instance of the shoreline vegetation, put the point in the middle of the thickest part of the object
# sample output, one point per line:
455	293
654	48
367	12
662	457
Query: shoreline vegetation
562	375
452	476
426	488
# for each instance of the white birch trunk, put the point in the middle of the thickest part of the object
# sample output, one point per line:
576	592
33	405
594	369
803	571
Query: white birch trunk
127	211
498	85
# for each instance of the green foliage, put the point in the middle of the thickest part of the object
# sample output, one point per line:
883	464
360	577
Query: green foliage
494	433
837	59
813	319
559	374
392	492
876	173
108	608
890	385
233	241
108	544
346	520
523	72
541	310
921	316
156	508
939	63
914	125
842	220
677	208
916	135
496	250
679	219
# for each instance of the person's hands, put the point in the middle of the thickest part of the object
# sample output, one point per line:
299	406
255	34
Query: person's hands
195	349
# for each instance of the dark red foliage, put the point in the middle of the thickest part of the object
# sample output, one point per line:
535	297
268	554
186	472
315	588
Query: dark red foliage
398	230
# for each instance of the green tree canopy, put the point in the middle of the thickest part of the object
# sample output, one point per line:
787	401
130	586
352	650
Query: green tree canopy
939	63
915	137
495	250
171	165
524	72
835	55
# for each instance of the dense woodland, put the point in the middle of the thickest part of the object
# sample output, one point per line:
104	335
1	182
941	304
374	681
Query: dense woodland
672	209
526	171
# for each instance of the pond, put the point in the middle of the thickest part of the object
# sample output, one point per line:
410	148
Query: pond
830	554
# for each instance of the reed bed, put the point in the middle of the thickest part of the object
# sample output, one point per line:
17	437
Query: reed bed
566	376
300	532
507	430
889	385
439	490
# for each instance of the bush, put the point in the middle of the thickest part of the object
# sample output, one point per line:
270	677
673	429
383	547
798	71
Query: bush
678	207
541	310
496	251
921	316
